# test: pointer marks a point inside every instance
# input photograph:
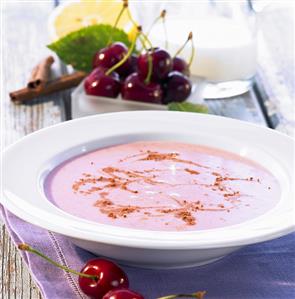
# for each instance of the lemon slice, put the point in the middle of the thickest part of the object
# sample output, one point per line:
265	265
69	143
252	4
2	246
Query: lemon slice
74	15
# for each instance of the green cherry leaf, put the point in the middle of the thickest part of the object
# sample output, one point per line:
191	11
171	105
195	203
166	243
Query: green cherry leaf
78	48
187	107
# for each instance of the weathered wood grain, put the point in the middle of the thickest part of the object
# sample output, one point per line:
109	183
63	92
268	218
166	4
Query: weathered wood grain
244	107
24	40
276	61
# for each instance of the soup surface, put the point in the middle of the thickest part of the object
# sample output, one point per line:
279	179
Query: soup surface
162	185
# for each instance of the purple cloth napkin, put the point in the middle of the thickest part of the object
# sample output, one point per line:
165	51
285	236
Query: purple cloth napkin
265	270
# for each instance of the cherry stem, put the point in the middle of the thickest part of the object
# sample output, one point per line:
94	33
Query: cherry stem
147	40
129	14
198	295
135	24
142	43
192	51
159	18
150	67
165	32
26	247
190	36
125	5
131	49
144	38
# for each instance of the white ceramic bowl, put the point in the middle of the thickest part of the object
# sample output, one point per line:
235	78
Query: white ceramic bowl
27	162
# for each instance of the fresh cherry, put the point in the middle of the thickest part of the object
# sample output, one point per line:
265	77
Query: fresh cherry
161	64
134	88
177	87
180	65
103	279
122	294
134	58
109	277
97	83
109	56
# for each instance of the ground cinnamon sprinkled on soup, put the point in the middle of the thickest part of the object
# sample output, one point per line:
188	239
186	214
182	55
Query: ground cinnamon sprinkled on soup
191	171
163	186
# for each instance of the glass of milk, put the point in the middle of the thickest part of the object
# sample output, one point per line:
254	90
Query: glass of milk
224	35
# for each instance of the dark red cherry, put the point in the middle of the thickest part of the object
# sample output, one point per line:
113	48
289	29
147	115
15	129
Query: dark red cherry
135	89
134	62
110	276
132	68
177	87
122	294
97	83
161	61
109	56
180	65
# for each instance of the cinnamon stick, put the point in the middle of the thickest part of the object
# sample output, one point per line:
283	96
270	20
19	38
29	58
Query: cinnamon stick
40	73
61	83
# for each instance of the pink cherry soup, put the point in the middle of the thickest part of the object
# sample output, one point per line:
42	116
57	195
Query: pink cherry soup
162	185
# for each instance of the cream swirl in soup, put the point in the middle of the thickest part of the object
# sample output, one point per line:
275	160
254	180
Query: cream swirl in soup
161	185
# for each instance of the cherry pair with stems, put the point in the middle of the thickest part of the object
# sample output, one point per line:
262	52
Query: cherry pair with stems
103	279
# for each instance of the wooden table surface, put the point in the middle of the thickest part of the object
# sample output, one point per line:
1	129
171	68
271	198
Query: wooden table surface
269	103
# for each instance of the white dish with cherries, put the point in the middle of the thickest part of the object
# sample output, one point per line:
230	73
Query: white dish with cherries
85	105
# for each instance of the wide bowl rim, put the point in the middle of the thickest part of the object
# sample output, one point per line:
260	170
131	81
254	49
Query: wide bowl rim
232	236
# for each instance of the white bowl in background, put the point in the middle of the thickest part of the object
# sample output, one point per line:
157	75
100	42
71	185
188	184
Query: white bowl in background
28	161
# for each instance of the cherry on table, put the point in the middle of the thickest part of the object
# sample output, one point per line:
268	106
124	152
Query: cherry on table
135	89
180	65
97	83
122	294
161	64
112	54
177	87
109	277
